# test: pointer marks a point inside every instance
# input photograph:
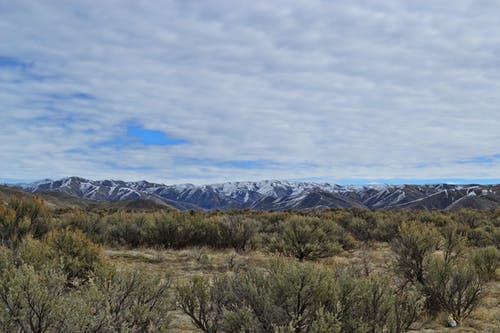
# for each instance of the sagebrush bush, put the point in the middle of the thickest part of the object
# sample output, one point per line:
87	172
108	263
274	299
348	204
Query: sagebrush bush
36	253
74	252
202	302
453	243
486	261
257	229
91	223
237	232
413	245
455	288
407	305
31	301
294	297
386	229
306	238
124	301
38	300
22	216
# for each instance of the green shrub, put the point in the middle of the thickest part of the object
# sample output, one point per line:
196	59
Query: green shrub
33	210
307	238
486	261
386	229
294	297
89	222
480	237
372	304
202	302
30	301
237	232
454	288
407	307
453	243
133	301
22	216
74	252
361	229
119	301
413	245
375	305
165	230
239	319
36	253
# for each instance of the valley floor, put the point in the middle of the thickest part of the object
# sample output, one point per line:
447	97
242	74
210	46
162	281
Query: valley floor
183	264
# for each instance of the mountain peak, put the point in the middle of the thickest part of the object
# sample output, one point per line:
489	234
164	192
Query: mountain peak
277	194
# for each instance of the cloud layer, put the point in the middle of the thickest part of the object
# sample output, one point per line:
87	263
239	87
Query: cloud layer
324	90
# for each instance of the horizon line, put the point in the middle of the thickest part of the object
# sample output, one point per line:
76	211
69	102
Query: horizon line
323	180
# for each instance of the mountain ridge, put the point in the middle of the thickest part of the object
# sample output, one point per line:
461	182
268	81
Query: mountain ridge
278	194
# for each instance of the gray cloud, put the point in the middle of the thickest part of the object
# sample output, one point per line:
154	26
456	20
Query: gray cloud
330	90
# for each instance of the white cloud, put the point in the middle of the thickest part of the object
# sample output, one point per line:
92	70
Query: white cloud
331	90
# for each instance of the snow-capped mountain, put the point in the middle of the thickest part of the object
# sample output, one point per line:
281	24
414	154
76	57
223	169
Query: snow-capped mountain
275	194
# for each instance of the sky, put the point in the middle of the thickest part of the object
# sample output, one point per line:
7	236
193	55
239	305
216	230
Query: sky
212	91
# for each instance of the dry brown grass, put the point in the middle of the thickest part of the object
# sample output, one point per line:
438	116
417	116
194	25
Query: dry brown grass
183	264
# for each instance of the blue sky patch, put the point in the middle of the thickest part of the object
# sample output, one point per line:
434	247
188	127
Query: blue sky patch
151	137
138	135
12	62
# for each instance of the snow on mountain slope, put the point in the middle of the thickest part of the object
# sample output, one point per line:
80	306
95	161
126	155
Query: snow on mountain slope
274	194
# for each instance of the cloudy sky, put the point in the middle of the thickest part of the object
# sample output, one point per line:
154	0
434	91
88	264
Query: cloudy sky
209	91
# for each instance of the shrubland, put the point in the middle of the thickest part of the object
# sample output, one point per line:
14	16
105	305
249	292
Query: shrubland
55	275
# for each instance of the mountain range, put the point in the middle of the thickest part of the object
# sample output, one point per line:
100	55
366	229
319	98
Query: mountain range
267	194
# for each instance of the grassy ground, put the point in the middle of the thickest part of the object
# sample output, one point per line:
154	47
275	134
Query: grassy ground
183	264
